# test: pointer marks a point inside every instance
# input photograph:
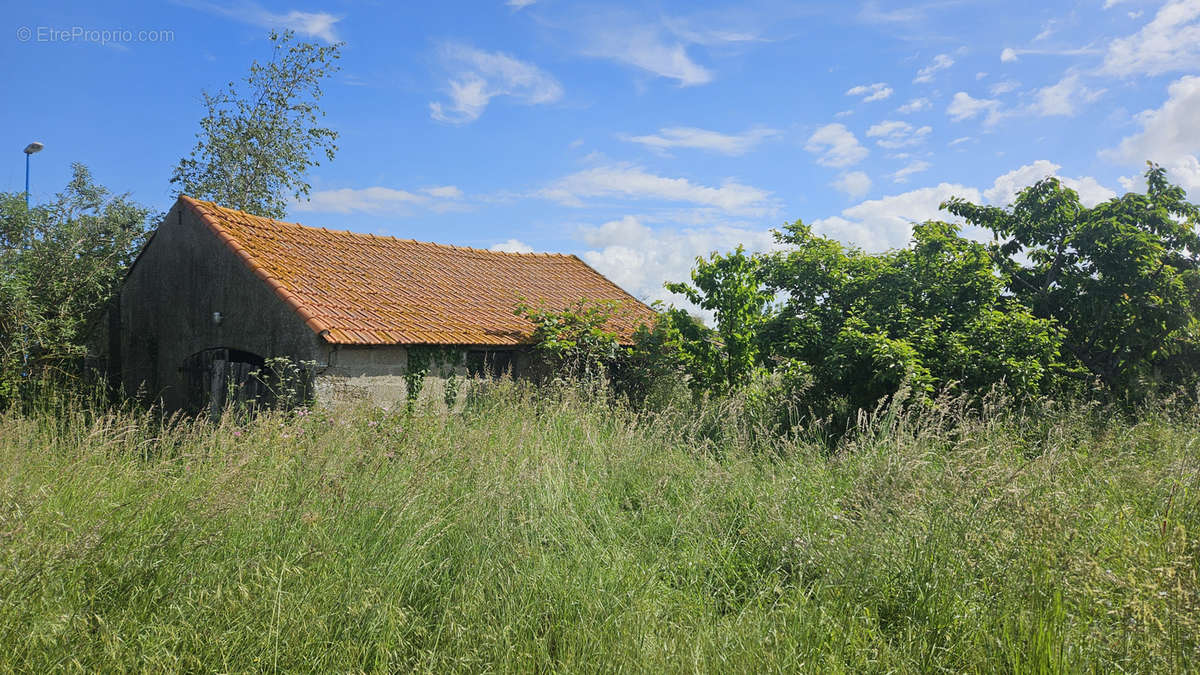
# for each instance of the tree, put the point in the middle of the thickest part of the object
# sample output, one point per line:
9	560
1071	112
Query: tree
932	315
60	264
731	288
255	147
1122	278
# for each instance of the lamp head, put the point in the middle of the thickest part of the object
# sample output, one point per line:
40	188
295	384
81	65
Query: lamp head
33	147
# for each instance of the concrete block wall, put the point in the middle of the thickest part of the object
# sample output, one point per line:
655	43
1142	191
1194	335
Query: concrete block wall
379	374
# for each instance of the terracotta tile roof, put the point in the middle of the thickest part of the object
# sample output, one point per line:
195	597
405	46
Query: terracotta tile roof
363	289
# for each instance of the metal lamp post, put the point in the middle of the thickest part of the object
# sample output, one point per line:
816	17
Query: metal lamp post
29	150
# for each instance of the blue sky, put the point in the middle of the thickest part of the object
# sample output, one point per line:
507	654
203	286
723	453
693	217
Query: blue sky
639	135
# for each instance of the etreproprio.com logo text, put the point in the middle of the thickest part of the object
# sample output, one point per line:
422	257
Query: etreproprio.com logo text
97	35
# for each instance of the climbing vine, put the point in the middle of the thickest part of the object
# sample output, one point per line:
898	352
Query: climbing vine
424	360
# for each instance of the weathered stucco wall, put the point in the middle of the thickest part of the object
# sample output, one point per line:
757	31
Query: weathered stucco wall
375	373
167	303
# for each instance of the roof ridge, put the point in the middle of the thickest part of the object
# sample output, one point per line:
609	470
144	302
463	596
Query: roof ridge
377	236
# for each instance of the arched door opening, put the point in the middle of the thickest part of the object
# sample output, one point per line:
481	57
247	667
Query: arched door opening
222	376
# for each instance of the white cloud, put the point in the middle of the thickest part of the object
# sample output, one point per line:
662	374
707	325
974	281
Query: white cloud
1004	87
703	139
1048	29
1063	98
853	183
964	107
314	24
320	25
960	140
881	224
379	200
519	4
640	259
837	146
940	62
871	92
1010	55
512	245
915	105
443	192
1169	135
1169	42
646	47
902	175
1005	188
892	134
626	181
733	29
478	77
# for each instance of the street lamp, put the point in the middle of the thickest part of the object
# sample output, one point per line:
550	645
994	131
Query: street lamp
29	150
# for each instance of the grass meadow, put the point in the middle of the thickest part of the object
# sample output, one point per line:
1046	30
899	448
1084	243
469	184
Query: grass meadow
556	532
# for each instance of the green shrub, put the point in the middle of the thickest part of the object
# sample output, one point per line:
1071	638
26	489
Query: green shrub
60	265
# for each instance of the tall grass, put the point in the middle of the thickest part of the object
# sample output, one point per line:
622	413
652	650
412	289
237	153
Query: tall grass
552	533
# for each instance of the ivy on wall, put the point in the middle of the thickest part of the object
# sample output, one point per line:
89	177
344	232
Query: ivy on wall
437	360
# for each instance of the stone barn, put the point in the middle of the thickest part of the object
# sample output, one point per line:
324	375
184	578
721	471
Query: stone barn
217	292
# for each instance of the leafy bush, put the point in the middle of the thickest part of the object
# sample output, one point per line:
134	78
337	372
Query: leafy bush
576	342
730	287
60	265
867	324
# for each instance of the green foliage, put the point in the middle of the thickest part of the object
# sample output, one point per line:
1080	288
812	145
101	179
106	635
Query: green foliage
424	361
555	534
286	384
650	367
1065	294
414	382
255	146
730	287
450	391
930	317
693	349
576	342
60	265
1122	278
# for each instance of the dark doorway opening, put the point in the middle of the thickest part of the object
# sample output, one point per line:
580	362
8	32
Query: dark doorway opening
221	376
491	363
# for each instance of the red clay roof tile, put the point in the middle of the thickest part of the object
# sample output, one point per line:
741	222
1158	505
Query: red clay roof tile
362	289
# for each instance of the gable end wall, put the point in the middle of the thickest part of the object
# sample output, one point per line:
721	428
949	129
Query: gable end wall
167	302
